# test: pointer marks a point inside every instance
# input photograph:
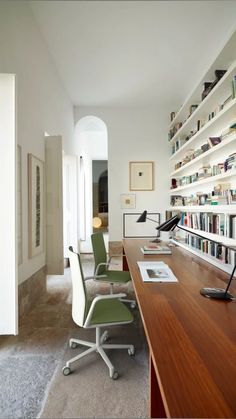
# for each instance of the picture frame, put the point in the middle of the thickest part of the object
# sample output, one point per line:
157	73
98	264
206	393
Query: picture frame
128	201
36	205
132	229
141	175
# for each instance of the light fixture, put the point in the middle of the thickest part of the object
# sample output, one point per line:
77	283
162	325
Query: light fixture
217	293
142	219
97	222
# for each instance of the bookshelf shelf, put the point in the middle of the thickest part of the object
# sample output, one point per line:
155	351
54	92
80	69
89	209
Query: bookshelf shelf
209	180
207	258
213	117
219	209
216	95
223	145
212	236
215	126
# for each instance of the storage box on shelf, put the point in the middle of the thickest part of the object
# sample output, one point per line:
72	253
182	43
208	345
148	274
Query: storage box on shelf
203	179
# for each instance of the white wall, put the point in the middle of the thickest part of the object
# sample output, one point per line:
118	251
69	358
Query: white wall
134	134
42	104
8	277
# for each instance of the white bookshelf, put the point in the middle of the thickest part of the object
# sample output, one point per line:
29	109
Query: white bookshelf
217	154
230	175
217	95
219	209
226	146
207	258
212	128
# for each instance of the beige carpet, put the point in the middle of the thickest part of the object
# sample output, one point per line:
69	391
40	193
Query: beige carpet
32	384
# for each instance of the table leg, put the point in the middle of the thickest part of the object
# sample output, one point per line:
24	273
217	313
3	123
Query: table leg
124	264
156	407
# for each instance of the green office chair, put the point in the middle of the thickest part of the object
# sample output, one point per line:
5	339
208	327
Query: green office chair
102	311
101	269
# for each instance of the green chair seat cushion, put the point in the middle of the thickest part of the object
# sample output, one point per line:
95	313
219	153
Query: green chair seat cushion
121	277
110	311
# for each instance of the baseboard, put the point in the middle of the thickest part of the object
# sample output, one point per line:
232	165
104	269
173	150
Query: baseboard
30	290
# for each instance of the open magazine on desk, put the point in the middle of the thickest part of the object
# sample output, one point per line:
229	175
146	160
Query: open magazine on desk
156	272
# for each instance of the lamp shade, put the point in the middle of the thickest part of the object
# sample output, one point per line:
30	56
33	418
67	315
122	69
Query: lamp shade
142	218
169	224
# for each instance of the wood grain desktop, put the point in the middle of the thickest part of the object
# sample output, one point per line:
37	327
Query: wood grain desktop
191	338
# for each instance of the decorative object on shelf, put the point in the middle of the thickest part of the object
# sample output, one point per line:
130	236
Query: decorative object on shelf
128	201
172	116
234	87
36	205
192	108
173	183
143	218
141	175
216	293
208	86
213	141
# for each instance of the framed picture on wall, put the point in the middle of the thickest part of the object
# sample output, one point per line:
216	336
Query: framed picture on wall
36	205
127	201
141	175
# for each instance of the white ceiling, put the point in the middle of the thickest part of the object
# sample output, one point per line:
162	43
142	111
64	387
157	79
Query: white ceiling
133	53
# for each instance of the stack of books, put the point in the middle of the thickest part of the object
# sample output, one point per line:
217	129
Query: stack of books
155	249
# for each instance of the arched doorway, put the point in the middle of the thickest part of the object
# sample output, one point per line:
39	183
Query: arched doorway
100	196
91	137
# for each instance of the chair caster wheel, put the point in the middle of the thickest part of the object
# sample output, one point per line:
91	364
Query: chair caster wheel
133	305
73	345
115	375
106	337
66	371
131	351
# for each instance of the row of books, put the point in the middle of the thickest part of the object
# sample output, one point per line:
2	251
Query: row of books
206	171
201	122
211	249
222	194
211	142
221	224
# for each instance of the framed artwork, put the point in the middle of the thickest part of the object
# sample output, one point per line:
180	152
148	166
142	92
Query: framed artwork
127	201
19	205
141	175
36	205
132	229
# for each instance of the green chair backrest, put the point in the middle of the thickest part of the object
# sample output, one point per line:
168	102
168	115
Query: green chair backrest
99	251
79	295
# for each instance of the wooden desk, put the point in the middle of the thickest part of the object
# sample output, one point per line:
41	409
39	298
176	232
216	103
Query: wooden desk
191	338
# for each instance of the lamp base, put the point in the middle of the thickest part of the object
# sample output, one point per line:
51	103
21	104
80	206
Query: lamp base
217	293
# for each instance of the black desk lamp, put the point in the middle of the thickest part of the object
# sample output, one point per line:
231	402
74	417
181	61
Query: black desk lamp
217	293
142	219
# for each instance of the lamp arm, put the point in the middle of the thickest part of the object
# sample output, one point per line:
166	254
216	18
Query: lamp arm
150	219
230	279
206	238
214	241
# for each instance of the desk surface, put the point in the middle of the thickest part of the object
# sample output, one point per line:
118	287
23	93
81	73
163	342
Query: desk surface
191	338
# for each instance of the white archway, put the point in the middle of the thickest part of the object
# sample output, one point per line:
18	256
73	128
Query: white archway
92	139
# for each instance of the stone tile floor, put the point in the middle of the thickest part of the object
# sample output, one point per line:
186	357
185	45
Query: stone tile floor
31	382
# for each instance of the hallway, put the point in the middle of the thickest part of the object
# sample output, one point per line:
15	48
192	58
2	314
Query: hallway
32	384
